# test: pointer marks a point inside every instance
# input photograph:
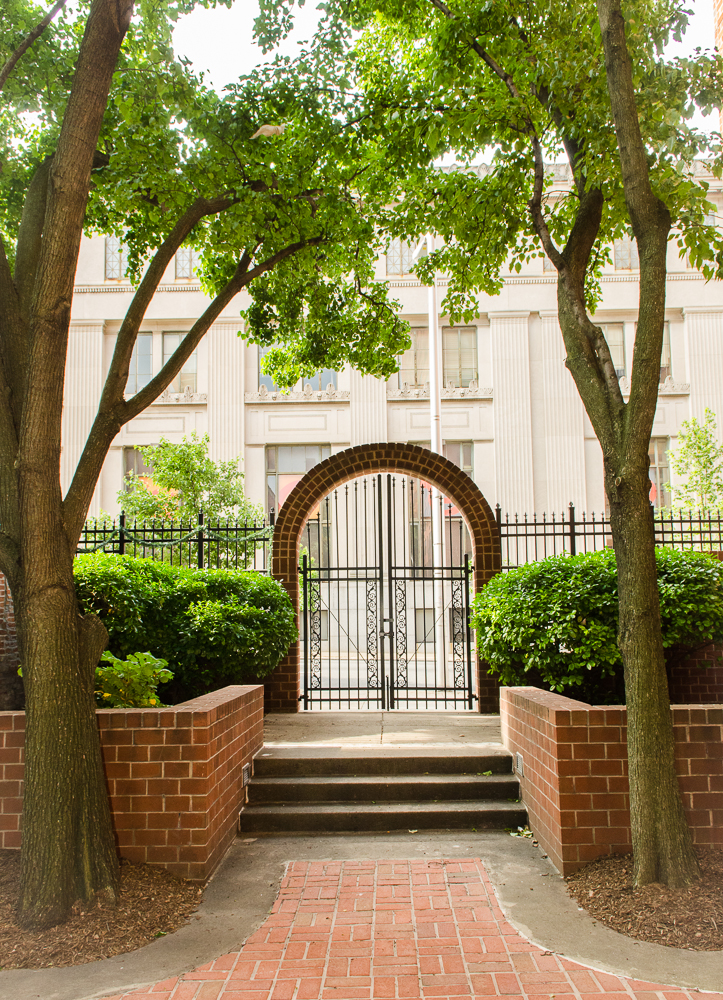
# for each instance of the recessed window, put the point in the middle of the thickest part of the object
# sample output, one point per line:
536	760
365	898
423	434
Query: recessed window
414	363
665	365
186	262
459	355
141	367
187	377
319	381
286	465
133	462
116	260
400	257
615	336
547	264
659	471
460	452
626	254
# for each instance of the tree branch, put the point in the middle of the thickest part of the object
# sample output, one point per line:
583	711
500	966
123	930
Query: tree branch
108	422
115	383
28	41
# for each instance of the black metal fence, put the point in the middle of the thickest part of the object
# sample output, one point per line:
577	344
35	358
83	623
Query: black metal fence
526	539
247	544
223	544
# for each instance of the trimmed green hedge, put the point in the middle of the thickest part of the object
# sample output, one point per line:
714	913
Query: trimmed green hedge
215	627
554	623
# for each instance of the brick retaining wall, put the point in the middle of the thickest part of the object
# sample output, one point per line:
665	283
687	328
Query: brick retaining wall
699	679
174	776
574	780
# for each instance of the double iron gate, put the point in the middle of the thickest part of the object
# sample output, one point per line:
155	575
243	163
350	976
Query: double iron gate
385	576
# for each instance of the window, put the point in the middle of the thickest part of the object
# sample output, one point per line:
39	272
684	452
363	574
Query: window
141	368
665	368
186	262
319	381
459	355
399	257
659	472
286	465
460	452
116	260
615	336
626	255
187	377
414	363
133	463
547	264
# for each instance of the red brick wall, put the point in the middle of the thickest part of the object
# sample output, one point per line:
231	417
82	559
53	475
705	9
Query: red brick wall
699	679
174	776
575	783
11	687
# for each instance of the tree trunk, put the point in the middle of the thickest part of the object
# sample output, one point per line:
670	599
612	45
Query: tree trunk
69	851
663	844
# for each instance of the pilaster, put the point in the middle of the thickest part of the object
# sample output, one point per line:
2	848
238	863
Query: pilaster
83	386
509	336
368	402
704	343
226	358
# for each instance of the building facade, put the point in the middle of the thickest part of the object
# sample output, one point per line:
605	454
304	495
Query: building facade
511	415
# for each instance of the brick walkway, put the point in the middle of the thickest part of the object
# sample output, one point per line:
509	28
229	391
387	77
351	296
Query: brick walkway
378	930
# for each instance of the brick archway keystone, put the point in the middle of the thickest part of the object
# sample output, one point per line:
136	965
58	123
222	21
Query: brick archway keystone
283	687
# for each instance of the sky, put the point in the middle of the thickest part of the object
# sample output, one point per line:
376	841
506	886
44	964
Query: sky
220	40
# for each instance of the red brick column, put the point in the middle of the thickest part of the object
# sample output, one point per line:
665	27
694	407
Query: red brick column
174	776
574	776
283	688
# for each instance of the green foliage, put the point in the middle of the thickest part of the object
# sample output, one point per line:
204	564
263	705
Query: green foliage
214	627
555	622
187	480
699	458
130	683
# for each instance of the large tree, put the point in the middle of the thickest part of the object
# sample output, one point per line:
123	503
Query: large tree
103	130
519	80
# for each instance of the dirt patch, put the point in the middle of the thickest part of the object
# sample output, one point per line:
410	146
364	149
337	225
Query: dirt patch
152	903
681	918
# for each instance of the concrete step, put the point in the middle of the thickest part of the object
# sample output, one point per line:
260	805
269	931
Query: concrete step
308	762
386	816
388	788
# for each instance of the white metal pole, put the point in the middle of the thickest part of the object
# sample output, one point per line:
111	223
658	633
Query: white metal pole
435	413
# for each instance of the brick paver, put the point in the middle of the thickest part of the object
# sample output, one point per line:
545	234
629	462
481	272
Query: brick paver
394	930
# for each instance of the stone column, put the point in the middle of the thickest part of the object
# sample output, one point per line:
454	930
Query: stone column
83	386
368	409
564	424
509	335
226	361
704	349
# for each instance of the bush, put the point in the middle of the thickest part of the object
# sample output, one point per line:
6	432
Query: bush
130	683
554	622
214	627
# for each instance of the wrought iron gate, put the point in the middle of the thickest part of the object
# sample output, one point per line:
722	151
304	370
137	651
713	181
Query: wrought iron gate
385	581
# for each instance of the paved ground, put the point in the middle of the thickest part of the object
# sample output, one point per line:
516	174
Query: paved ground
358	729
318	912
381	930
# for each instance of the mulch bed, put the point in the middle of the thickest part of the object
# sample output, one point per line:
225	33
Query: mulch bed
152	903
681	918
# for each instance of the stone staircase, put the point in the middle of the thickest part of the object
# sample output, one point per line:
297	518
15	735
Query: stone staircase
354	789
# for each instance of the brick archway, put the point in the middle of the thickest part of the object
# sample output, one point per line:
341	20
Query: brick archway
283	688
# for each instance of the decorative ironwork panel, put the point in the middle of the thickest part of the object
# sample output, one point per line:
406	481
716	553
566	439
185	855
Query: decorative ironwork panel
458	636
314	606
373	676
400	614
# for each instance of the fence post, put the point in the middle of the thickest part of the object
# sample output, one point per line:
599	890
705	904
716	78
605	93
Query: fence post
122	534
200	539
573	537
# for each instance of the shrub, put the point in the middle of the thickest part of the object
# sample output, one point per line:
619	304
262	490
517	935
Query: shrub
214	627
130	683
554	622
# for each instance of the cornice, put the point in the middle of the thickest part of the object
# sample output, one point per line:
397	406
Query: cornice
179	398
667	388
422	392
129	289
307	395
